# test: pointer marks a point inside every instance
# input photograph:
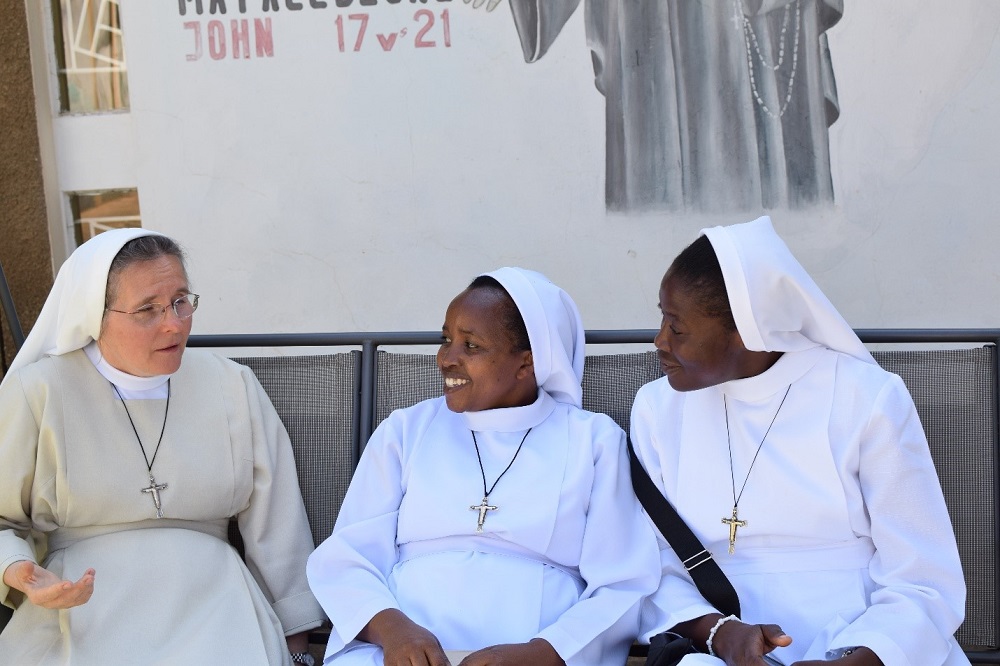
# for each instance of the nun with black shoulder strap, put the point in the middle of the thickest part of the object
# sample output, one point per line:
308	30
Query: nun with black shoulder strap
799	463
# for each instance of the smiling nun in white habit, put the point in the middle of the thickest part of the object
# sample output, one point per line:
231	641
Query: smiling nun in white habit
499	518
799	463
122	459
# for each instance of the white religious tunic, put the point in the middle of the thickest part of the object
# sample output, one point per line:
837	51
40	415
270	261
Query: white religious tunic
847	539
170	590
566	555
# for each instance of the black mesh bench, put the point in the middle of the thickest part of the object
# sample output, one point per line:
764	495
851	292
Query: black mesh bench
331	402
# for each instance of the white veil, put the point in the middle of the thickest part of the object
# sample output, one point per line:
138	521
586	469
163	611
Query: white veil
555	331
72	313
776	304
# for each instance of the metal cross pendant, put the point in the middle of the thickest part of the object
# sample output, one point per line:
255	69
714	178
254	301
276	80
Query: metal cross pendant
482	508
733	523
154	490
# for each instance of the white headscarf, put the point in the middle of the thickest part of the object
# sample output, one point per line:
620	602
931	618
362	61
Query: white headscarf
555	331
776	305
72	314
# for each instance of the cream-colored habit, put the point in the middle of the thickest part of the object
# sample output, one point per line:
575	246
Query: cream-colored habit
170	590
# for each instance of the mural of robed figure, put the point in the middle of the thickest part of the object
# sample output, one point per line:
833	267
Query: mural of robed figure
711	105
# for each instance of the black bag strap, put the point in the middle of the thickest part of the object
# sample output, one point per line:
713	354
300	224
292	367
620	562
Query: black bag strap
704	570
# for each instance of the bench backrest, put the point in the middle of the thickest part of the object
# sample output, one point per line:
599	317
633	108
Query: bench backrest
610	382
955	391
317	400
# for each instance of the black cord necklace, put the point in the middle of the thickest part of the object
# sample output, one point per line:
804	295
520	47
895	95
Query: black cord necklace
485	505
734	522
154	488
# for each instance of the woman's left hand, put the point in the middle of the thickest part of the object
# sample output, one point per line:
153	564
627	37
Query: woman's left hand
298	642
537	652
860	657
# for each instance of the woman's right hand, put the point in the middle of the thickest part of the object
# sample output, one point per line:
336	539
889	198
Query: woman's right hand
403	641
741	644
43	588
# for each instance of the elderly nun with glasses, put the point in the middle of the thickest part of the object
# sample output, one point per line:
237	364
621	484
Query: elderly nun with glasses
122	459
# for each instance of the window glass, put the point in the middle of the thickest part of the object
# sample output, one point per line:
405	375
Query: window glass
92	71
94	212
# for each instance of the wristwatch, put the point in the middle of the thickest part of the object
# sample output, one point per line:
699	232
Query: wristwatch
303	658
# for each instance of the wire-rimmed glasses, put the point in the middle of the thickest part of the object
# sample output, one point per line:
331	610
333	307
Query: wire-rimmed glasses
152	314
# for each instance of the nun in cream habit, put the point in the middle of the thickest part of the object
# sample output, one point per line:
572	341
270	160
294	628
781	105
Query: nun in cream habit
78	496
842	537
565	556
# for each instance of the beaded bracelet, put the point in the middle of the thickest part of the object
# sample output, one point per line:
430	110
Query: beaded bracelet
711	634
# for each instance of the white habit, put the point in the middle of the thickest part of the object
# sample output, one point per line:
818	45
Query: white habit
167	590
847	539
170	590
566	556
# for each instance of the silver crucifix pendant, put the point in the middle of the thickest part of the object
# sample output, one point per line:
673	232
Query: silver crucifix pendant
482	508
154	491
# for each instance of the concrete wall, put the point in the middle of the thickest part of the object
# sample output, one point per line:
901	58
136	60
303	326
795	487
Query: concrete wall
327	173
24	241
324	182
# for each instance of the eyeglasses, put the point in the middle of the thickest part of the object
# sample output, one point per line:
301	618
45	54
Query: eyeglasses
152	314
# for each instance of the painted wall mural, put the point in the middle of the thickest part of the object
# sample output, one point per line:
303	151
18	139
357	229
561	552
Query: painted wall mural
351	163
711	106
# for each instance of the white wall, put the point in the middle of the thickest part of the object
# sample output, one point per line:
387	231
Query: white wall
323	190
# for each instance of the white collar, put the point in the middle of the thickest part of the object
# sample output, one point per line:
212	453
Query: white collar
791	367
130	385
511	419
